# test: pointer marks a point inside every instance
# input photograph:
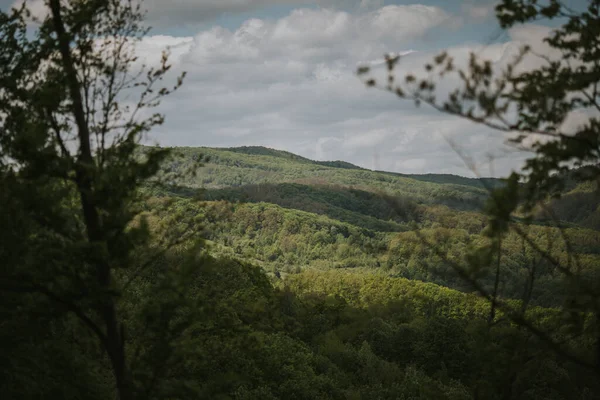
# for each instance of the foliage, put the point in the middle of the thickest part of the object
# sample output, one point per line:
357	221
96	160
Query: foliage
108	291
69	176
532	103
233	168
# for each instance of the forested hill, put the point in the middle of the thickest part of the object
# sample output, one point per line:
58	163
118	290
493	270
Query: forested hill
288	213
374	251
243	166
336	188
251	273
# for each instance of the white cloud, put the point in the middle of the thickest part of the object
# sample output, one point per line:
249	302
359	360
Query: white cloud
397	21
371	4
291	84
478	10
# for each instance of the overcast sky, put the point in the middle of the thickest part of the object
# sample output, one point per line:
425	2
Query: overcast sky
281	73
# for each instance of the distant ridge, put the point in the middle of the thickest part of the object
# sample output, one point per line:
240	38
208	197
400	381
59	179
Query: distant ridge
429	177
267	151
483	182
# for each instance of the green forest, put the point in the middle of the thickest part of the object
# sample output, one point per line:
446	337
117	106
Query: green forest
318	290
130	271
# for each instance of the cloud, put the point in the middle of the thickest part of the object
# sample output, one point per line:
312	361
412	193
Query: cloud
178	12
166	14
173	12
371	4
290	84
478	10
192	12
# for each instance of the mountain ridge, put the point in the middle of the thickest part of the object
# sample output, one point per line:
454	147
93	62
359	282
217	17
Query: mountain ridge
270	151
230	168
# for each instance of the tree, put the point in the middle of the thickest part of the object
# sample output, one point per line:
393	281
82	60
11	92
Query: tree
70	167
531	104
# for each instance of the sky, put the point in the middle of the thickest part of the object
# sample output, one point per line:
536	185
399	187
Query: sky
282	74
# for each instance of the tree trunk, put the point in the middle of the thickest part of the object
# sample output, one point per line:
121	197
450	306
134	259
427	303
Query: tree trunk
85	168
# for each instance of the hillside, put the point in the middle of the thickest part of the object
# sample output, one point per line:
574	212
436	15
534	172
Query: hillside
288	213
360	264
284	278
243	166
130	272
348	192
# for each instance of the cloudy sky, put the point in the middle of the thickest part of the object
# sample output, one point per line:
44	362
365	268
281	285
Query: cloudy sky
281	73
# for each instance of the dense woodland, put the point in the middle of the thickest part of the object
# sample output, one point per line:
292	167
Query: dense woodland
286	226
351	279
139	272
